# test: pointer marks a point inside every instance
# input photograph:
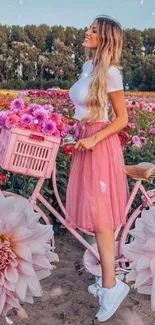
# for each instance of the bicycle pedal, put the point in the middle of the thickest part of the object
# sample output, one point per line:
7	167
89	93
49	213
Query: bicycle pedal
78	268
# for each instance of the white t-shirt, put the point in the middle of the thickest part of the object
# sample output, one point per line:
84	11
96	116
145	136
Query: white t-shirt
79	91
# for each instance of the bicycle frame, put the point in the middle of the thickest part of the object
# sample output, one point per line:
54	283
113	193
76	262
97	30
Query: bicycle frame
118	249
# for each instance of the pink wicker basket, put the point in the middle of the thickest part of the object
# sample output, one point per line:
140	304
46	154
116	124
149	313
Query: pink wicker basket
27	152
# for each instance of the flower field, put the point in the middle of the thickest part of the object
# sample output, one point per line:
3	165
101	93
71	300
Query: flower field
138	135
137	140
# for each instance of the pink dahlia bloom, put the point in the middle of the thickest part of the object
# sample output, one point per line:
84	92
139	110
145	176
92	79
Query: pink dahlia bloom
34	106
17	104
3	117
25	255
56	118
132	125
49	128
141	132
152	131
141	252
41	115
153	122
136	140
26	119
64	131
12	120
141	105
143	140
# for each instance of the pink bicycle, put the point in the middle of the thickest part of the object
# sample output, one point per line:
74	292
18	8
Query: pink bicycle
32	154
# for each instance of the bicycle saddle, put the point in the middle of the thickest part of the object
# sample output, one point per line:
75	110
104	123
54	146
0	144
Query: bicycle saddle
143	171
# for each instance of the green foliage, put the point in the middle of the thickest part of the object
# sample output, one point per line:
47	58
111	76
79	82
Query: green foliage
43	53
36	84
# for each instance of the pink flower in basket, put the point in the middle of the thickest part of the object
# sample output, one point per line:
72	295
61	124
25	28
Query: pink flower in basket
34	117
64	130
34	127
25	111
17	104
41	115
32	107
12	120
49	128
3	117
55	117
57	134
26	119
25	255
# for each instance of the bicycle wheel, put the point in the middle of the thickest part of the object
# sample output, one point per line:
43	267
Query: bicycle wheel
126	238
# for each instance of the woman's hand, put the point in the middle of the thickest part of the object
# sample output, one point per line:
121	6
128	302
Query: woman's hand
86	144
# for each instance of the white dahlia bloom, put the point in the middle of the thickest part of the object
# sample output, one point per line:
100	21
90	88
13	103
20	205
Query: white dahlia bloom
141	253
25	255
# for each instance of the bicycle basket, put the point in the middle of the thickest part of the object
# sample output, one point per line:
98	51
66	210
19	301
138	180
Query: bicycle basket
28	152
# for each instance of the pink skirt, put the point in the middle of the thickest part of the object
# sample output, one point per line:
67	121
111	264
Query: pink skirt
97	189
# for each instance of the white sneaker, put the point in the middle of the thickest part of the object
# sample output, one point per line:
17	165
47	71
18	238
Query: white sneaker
93	288
110	300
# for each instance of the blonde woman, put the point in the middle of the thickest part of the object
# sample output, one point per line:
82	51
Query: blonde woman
97	190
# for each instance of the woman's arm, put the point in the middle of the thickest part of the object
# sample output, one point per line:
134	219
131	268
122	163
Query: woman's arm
118	102
117	99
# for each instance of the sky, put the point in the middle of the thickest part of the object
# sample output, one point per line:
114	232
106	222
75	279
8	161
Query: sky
138	14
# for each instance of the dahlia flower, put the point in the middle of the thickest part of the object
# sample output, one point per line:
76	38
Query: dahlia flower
49	128
153	122
64	131
3	116
48	107
55	118
132	125
26	118
17	104
77	131
25	255
12	120
41	115
141	105
141	252
136	141
152	131
141	132
34	106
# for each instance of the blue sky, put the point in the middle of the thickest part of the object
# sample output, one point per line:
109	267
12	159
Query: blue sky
79	13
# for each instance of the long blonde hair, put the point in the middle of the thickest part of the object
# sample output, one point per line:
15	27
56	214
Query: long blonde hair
110	41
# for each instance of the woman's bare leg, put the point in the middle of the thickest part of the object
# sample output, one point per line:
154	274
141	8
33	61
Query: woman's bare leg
106	247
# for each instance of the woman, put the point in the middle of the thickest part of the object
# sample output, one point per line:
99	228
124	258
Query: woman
97	189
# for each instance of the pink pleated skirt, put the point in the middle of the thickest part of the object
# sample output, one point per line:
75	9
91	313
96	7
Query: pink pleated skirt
97	190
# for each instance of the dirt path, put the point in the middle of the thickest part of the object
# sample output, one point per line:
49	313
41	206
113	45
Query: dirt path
65	299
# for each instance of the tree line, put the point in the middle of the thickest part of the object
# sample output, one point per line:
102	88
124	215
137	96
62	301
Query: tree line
43	57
